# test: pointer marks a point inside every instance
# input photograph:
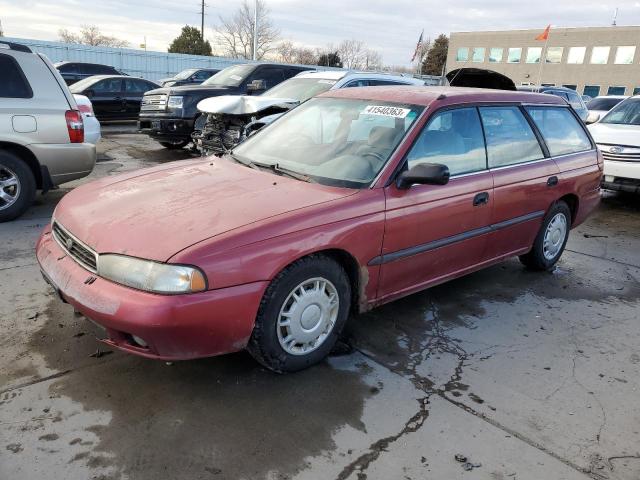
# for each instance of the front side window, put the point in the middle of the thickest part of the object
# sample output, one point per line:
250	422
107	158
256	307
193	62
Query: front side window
230	76
333	141
560	129
510	139
271	76
625	55
625	113
110	85
554	54
600	55
515	54
14	84
495	55
137	86
534	54
462	55
478	54
576	55
452	138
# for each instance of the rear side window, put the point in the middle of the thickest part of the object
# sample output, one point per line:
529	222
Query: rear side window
358	83
452	138
561	131
14	84
110	85
510	139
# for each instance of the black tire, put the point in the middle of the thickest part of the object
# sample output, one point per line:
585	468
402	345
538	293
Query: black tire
177	145
264	344
11	164
535	259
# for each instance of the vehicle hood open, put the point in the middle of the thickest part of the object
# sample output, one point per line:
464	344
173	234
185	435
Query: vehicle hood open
157	212
243	104
615	134
479	78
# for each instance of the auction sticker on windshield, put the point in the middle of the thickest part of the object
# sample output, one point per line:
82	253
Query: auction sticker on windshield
386	111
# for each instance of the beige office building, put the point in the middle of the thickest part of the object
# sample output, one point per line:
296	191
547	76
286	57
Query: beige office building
592	60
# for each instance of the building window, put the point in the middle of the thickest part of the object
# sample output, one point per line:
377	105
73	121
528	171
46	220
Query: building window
600	55
576	55
462	55
554	54
616	90
514	55
624	55
572	87
478	54
495	55
591	90
636	90
548	85
534	54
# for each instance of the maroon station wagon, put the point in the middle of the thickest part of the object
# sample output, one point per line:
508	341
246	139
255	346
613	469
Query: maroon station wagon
354	199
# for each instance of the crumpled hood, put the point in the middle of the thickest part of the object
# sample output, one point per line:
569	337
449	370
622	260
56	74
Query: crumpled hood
157	212
615	134
243	104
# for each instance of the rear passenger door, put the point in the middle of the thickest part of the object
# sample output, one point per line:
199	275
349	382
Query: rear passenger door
525	179
134	89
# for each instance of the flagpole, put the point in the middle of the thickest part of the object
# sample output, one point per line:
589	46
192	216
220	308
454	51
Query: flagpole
543	59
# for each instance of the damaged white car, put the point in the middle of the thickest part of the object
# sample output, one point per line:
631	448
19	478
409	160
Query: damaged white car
229	119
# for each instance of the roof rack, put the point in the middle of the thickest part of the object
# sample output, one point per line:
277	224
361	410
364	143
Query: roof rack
15	46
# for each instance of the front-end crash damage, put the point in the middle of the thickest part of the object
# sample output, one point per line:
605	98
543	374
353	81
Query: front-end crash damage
227	120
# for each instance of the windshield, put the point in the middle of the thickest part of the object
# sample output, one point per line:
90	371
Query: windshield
184	74
300	89
604	103
83	84
230	76
625	113
333	141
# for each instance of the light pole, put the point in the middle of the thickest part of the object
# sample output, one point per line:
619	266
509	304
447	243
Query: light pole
255	31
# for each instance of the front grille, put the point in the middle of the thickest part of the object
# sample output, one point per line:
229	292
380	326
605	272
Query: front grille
74	248
154	102
620	153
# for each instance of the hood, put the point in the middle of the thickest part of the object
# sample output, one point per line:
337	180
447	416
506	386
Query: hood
243	104
479	78
613	134
166	209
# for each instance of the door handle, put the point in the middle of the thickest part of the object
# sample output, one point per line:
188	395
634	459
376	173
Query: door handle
481	199
552	181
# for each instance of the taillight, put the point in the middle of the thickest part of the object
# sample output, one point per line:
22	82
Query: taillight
75	126
87	109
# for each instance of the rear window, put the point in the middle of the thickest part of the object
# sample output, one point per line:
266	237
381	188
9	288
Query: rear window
603	103
560	129
14	84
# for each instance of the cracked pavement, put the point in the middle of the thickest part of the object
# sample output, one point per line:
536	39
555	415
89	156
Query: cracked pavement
527	375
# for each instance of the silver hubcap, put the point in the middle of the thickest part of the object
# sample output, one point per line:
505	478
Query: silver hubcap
9	187
554	236
308	316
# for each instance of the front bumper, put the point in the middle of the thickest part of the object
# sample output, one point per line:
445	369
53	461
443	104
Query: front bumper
65	161
161	128
174	327
621	176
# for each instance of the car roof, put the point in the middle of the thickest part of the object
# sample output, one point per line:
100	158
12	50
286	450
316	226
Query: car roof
535	88
611	96
101	77
340	74
423	95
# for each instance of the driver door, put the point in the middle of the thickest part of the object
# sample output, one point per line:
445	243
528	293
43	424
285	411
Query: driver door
437	232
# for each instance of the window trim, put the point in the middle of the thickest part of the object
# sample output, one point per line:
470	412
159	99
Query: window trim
21	75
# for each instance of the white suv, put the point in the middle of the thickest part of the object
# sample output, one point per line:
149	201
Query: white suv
41	130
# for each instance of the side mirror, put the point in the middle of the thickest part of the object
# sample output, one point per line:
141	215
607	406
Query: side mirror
257	86
425	174
593	117
89	93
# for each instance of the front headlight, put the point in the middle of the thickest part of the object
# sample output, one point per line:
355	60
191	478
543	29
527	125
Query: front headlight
175	101
169	84
151	276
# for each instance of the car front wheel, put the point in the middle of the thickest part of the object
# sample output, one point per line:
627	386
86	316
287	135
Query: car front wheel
551	239
17	186
175	145
301	315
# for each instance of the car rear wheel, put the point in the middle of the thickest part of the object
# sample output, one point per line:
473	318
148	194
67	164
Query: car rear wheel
301	315
17	186
175	145
551	239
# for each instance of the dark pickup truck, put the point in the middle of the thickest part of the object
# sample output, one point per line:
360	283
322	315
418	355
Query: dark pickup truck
168	114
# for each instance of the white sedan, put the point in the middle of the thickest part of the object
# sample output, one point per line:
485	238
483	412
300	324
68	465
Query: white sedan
618	138
91	123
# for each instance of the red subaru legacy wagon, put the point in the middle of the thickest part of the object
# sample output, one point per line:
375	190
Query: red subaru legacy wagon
355	198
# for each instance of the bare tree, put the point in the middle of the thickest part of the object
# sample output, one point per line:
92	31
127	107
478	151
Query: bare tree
305	56
372	60
287	52
235	34
352	53
91	35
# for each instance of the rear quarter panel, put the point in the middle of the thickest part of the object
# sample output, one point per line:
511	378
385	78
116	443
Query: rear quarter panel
580	175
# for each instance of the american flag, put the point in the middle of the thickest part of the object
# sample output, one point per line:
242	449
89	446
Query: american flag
418	47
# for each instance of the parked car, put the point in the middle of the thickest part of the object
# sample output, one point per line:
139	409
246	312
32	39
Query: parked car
41	130
73	72
92	132
602	104
168	114
618	137
586	98
229	119
353	199
114	97
567	94
191	76
479	78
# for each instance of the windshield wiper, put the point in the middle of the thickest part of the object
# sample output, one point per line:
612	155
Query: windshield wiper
274	167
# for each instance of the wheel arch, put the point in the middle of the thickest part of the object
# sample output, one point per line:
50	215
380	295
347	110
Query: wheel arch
572	202
27	157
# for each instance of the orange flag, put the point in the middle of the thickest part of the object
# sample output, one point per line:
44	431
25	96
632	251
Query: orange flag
544	35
